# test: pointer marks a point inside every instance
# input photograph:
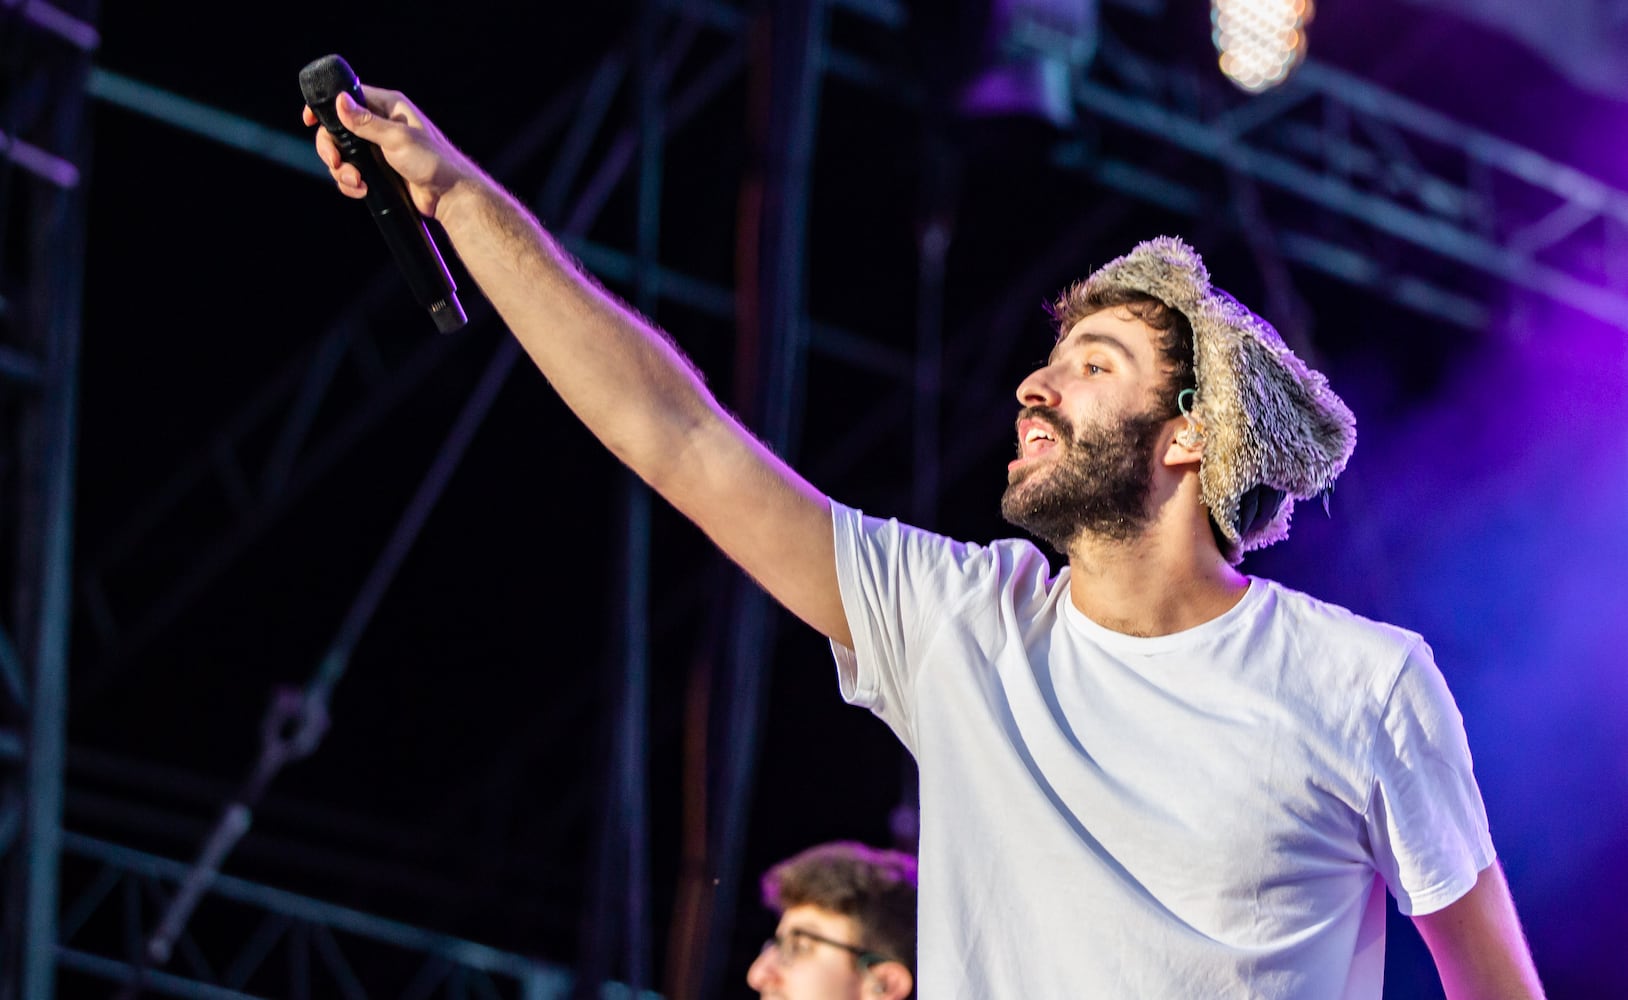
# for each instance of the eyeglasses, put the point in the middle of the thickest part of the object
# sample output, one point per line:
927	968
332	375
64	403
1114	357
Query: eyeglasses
796	942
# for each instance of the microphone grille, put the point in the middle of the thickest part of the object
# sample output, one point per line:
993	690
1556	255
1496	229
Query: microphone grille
323	80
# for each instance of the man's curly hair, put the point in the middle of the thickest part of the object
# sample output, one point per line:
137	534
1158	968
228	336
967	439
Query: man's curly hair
874	888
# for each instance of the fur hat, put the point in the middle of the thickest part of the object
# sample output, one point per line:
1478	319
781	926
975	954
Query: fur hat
1268	420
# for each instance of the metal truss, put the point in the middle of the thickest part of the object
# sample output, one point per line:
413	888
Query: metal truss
43	146
1389	171
262	942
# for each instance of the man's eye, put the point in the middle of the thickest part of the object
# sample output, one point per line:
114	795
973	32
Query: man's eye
1093	369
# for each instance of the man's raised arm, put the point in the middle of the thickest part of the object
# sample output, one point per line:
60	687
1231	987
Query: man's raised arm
625	379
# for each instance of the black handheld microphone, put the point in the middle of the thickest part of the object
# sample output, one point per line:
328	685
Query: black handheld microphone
322	82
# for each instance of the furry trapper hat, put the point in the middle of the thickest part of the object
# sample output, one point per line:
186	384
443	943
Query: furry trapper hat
1267	419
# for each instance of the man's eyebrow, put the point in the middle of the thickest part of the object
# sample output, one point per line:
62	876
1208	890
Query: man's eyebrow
1105	339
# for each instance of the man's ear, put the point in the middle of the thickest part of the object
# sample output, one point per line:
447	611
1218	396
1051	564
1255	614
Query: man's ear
891	980
1186	437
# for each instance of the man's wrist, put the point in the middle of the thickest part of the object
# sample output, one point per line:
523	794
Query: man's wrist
459	205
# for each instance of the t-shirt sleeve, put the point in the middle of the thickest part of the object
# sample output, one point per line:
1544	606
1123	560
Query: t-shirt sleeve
1426	820
900	586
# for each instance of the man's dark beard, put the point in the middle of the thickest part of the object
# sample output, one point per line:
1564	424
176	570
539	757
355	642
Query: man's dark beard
1099	484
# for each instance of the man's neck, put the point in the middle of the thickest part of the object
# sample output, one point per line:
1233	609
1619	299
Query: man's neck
1156	584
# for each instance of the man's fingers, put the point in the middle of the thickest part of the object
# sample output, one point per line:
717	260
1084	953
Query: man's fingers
327	149
344	174
349	179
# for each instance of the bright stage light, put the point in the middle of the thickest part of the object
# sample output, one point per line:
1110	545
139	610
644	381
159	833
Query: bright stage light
1260	41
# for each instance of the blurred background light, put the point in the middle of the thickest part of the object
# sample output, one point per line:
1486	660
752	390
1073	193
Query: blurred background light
1260	41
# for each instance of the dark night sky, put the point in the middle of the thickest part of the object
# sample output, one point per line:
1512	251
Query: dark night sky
458	786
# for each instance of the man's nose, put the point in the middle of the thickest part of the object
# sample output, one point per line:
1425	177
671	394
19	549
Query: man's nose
759	972
1037	390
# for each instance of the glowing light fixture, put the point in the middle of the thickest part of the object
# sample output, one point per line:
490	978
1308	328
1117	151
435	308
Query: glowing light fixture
1260	41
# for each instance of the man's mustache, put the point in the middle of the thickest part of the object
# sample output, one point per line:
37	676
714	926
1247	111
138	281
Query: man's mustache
1051	418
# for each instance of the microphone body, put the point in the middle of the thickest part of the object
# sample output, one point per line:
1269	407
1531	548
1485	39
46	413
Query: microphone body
321	82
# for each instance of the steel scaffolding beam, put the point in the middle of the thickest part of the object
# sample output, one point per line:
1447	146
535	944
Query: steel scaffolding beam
771	353
620	911
44	144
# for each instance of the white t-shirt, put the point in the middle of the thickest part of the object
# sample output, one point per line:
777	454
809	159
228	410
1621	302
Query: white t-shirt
1213	813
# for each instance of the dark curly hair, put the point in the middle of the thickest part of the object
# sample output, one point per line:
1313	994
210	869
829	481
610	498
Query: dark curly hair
874	888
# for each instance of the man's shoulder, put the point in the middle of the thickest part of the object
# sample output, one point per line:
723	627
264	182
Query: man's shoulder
1014	556
1340	660
1314	618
